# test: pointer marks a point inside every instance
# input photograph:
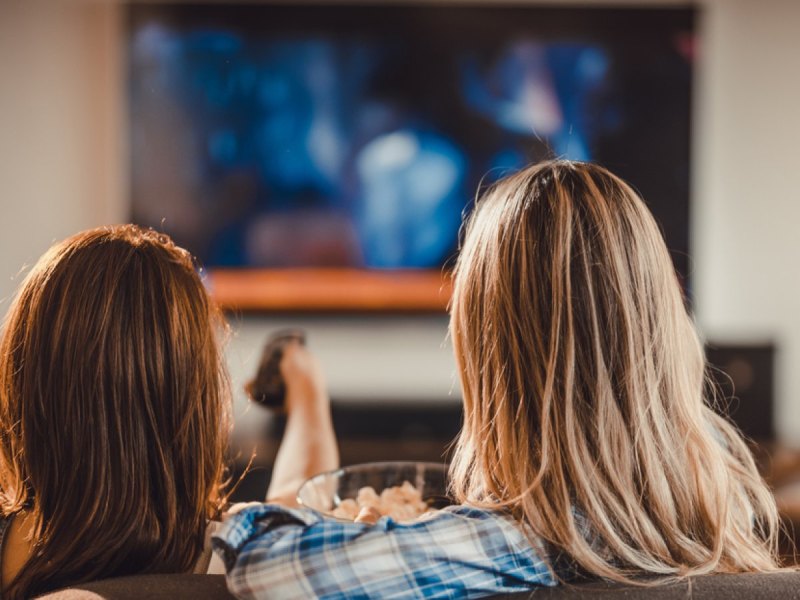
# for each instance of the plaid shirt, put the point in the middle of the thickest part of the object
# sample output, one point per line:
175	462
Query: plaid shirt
459	552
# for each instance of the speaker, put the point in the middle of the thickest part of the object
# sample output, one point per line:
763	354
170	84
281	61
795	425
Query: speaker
745	375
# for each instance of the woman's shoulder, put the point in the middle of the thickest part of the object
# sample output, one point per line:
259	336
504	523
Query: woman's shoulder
473	512
15	546
209	563
476	516
494	522
451	546
463	513
496	515
5	523
490	527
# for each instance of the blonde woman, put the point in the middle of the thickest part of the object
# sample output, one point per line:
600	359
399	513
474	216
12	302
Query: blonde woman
588	446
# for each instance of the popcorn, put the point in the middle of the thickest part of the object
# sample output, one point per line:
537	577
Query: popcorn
347	509
401	502
368	497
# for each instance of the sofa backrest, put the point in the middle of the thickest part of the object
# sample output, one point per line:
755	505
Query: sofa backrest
746	586
758	586
157	587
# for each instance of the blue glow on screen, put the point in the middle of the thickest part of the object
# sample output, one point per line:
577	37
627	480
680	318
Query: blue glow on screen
296	150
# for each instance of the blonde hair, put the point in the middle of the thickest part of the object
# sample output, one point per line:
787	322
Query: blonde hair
584	386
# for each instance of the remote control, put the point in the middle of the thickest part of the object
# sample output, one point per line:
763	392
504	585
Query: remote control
267	388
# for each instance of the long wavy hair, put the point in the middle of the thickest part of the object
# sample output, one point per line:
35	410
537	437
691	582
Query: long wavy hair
114	410
585	387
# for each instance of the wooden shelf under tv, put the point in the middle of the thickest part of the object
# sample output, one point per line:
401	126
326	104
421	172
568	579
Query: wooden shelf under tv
330	290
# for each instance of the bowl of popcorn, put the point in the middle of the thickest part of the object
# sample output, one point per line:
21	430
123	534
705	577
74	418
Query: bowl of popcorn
403	491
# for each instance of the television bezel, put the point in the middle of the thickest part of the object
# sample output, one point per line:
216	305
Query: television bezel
330	290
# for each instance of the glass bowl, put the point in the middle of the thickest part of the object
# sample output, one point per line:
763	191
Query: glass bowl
323	493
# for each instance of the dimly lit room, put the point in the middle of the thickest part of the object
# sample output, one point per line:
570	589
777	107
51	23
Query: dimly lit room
399	299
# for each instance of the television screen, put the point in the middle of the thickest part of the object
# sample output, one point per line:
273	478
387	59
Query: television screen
296	135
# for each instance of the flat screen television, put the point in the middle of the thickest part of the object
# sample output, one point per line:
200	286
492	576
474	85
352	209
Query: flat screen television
322	157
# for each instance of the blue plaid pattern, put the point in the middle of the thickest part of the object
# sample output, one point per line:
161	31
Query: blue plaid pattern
459	552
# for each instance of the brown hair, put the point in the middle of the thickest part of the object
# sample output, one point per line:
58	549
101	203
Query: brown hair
114	409
584	386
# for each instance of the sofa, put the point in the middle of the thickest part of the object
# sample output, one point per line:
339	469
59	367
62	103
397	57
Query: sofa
783	585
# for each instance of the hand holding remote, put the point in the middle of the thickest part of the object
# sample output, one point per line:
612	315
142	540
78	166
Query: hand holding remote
268	387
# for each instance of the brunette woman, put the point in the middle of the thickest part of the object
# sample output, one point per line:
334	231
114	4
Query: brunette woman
114	414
